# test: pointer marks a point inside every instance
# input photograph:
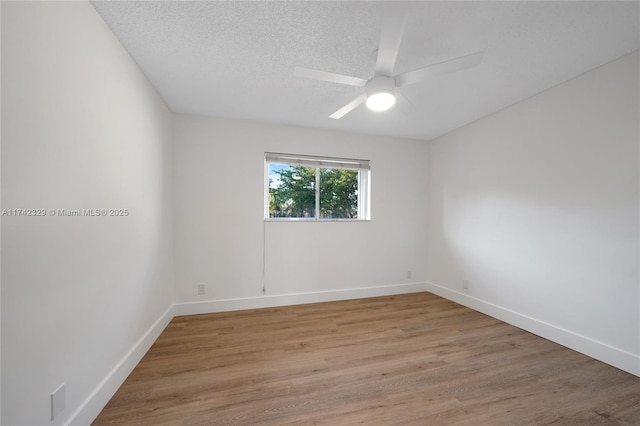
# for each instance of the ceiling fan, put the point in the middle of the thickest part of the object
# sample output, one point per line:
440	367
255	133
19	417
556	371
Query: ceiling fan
380	92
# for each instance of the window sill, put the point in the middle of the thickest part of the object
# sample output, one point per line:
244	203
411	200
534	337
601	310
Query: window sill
303	219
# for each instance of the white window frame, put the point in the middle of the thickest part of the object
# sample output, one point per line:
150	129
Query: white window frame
364	183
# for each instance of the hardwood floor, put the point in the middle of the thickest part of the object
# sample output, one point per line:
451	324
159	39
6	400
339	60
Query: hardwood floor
408	359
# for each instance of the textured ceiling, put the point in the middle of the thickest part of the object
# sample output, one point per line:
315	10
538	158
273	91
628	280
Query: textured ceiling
236	59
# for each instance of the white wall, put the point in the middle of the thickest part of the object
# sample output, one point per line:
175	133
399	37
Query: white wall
218	192
81	128
538	207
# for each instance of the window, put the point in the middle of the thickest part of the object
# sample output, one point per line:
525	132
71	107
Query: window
316	188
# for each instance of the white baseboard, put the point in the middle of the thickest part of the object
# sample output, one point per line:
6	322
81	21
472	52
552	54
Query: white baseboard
601	351
268	301
96	401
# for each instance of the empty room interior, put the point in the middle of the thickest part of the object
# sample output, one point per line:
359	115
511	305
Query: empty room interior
320	213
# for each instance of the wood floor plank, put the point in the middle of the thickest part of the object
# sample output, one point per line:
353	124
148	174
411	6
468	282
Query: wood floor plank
412	359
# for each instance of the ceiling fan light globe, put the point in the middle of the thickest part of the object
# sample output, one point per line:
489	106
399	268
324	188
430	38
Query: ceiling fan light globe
380	101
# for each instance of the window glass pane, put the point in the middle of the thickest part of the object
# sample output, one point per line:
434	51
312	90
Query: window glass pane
338	194
307	187
292	191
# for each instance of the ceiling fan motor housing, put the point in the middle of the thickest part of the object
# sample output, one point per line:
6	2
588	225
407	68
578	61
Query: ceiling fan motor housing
381	83
380	92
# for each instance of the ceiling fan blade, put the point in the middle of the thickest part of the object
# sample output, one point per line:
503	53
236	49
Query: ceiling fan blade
445	67
390	37
329	76
349	107
404	104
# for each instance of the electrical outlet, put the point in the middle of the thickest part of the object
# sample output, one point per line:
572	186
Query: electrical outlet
409	275
465	284
57	401
202	289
